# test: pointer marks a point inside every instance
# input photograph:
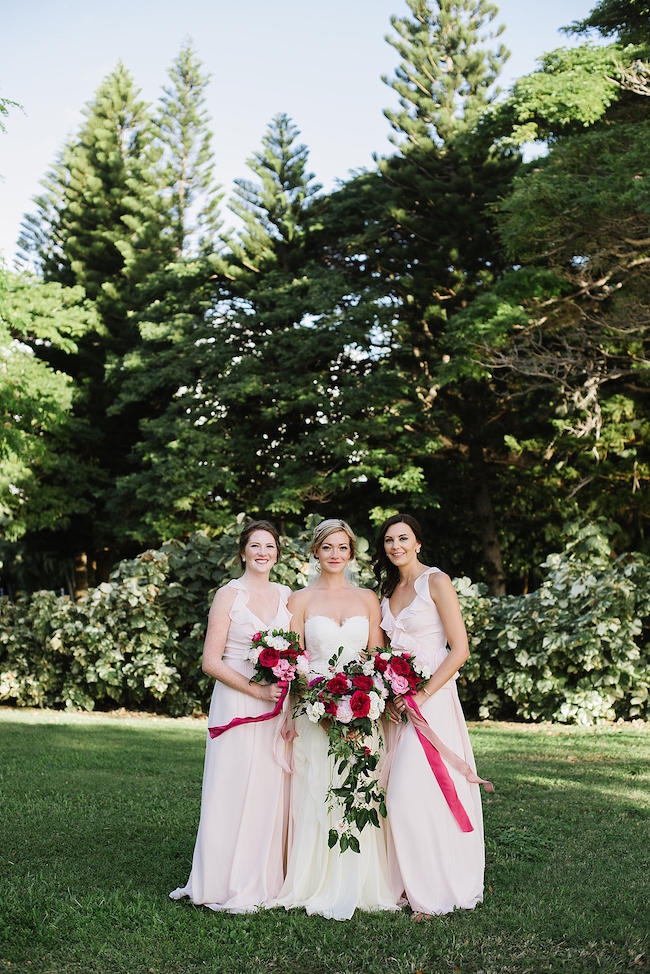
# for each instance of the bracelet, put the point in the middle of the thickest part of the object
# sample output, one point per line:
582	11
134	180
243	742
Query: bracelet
426	691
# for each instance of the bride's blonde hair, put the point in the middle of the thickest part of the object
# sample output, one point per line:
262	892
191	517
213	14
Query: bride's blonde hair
330	526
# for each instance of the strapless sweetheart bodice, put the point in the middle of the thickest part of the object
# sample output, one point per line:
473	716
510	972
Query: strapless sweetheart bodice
324	637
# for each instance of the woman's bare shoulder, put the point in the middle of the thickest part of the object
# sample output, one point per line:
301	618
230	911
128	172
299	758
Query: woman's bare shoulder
224	598
440	584
300	598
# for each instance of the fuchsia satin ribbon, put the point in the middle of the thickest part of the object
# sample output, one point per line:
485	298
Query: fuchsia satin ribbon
238	721
435	751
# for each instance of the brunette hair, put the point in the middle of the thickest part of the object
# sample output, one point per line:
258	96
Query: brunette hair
386	573
330	526
257	526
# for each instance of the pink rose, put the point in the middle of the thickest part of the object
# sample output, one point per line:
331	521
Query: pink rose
399	684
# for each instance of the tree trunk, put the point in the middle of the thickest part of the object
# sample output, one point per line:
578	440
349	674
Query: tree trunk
496	582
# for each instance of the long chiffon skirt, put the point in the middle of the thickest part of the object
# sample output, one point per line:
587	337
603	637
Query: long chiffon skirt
239	852
320	879
431	861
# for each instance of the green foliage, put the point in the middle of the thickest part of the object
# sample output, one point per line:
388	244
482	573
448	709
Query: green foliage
575	650
628	19
181	125
36	400
446	74
136	640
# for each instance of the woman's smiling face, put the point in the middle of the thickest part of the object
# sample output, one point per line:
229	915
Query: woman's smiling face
335	552
261	552
400	544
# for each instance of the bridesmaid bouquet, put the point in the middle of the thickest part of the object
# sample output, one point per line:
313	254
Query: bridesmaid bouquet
351	702
401	672
277	657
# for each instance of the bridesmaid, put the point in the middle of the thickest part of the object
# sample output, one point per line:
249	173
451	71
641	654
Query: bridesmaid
238	856
432	863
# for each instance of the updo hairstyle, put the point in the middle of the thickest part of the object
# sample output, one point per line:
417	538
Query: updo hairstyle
250	529
330	526
386	573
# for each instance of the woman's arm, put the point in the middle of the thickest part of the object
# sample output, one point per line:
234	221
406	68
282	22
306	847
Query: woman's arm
444	595
215	643
446	600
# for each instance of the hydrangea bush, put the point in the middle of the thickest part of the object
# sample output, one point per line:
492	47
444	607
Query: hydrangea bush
575	650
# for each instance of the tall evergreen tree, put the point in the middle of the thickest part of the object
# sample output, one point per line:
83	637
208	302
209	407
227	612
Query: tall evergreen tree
101	224
271	411
182	125
428	234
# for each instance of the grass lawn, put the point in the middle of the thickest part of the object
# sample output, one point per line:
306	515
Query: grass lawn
98	818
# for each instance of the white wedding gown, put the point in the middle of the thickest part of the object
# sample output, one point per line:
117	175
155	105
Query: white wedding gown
320	879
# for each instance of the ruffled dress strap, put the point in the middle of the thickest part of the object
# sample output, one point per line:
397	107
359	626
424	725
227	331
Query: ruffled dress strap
239	612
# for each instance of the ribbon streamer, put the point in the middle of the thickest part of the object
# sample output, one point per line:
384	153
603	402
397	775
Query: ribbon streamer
435	751
239	721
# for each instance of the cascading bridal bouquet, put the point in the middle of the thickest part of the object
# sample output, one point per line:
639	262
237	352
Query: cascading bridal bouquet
349	704
277	658
402	672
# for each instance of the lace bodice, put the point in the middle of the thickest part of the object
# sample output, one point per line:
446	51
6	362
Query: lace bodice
324	637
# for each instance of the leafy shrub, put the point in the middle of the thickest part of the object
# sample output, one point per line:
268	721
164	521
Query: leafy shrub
573	651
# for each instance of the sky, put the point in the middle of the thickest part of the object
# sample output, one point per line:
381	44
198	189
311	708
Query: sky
320	61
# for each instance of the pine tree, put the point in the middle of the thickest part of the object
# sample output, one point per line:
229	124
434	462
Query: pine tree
273	209
446	74
271	410
182	128
428	234
101	224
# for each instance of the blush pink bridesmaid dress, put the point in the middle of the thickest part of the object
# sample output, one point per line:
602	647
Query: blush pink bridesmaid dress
431	862
238	862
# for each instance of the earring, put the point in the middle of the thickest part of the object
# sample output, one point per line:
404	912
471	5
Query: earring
417	551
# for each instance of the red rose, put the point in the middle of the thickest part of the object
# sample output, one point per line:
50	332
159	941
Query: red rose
257	637
412	678
399	666
338	683
380	664
330	708
269	657
362	682
360	703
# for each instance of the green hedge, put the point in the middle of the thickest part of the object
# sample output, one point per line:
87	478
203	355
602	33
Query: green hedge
573	651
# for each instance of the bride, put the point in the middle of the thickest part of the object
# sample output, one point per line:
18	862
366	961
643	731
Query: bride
330	614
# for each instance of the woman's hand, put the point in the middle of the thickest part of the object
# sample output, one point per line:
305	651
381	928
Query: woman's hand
394	713
271	692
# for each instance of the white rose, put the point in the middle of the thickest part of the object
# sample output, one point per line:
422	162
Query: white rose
277	642
385	655
368	667
315	711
